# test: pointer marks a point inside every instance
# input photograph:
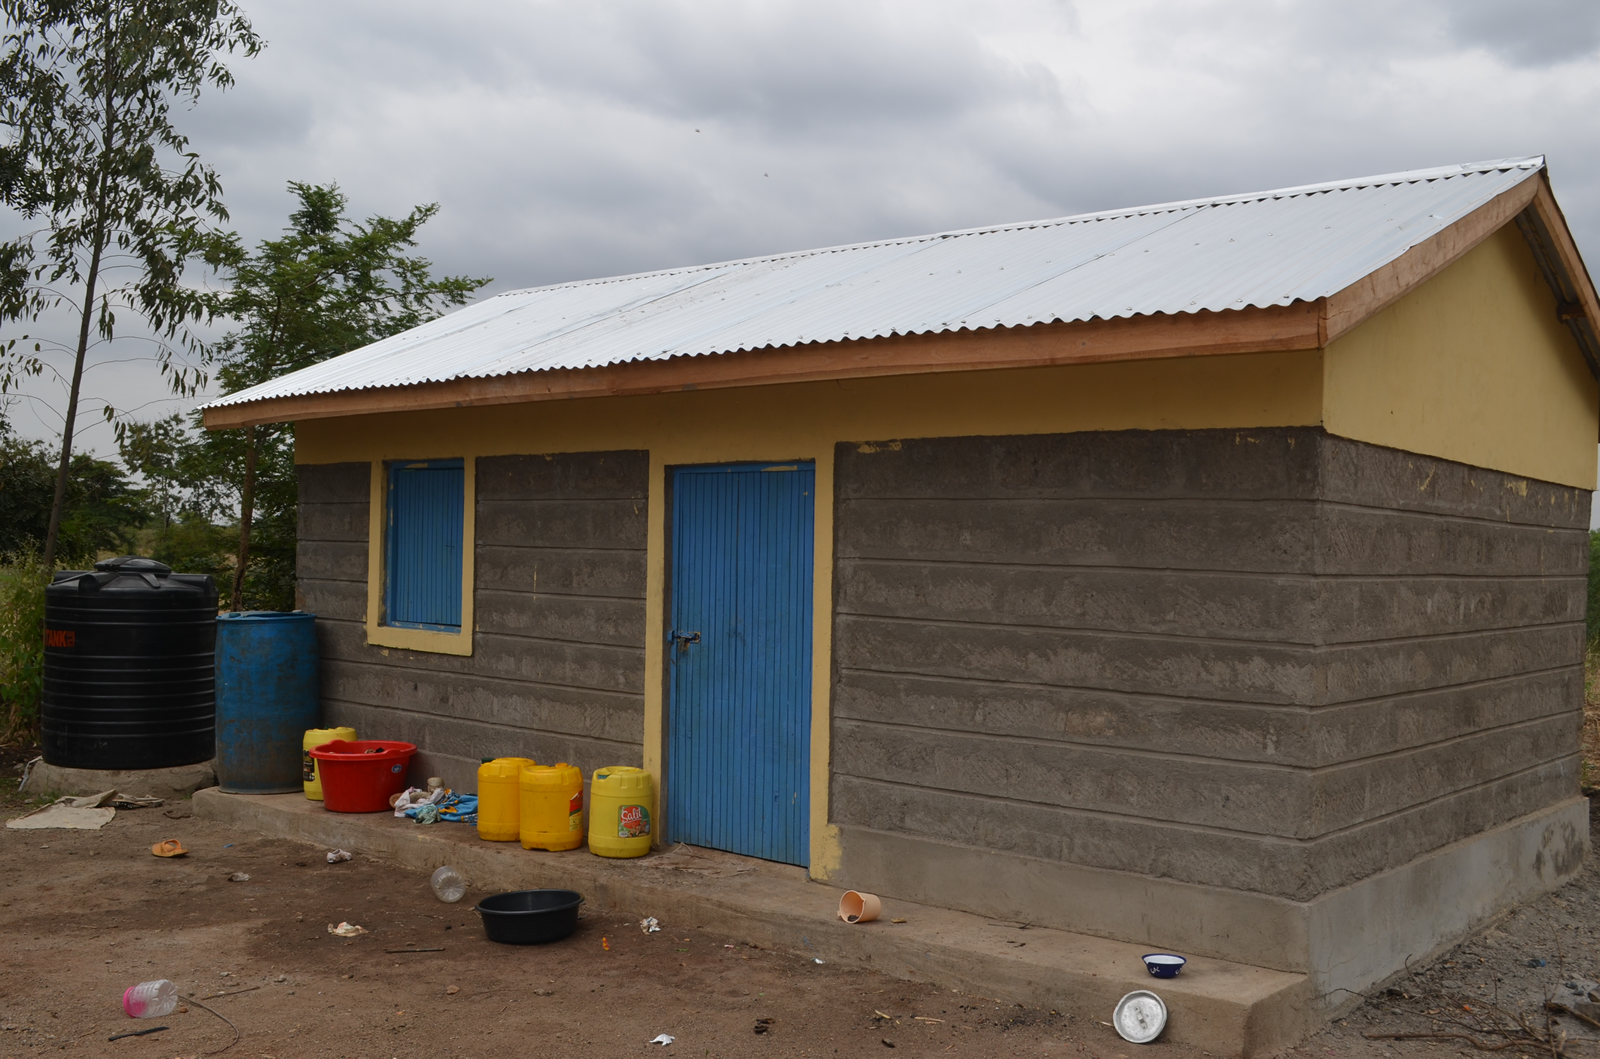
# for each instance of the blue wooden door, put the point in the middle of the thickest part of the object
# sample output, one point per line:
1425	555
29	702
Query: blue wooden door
739	659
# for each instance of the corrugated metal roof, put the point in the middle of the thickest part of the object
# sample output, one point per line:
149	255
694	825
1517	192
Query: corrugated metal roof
1233	252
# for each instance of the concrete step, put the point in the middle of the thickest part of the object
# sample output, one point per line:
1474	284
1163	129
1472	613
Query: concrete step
1224	1008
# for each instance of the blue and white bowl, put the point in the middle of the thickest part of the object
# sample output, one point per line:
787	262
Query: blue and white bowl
1164	964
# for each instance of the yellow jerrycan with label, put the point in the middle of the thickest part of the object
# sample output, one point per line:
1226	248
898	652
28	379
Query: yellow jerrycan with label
621	812
308	764
552	806
499	803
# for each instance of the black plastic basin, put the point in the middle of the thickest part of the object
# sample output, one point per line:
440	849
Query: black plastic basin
530	917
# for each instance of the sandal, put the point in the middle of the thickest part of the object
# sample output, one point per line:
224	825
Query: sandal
169	848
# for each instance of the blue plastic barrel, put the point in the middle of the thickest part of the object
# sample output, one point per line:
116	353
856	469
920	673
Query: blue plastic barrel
267	698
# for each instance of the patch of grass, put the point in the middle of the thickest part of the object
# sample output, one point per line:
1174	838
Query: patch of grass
14	756
17	803
22	581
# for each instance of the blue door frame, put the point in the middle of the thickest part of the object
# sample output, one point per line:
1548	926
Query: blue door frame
739	659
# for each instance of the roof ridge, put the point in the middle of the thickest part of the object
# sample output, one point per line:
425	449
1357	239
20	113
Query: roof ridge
1408	176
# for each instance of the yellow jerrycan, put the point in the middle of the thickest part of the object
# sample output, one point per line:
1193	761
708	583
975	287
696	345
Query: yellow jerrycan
499	804
621	812
308	764
552	806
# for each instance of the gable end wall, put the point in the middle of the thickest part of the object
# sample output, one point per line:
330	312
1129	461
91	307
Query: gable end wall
1273	663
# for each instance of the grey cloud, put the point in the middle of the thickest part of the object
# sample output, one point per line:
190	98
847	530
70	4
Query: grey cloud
783	67
559	137
1527	33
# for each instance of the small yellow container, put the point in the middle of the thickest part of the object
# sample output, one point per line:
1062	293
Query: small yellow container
499	804
621	812
308	764
552	806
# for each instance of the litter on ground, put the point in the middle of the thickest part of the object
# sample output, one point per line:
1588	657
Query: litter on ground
346	930
649	925
662	1039
337	855
64	814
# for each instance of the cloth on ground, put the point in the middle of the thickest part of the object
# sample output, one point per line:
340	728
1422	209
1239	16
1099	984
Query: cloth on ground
441	804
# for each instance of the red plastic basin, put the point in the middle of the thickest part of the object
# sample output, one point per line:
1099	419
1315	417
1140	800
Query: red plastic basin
361	776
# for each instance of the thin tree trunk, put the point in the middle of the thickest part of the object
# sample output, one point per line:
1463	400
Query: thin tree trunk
247	497
53	533
108	144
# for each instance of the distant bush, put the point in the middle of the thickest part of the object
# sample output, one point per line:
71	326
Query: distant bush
22	581
103	507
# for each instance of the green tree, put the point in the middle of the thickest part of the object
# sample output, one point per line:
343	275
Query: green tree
156	450
184	493
86	92
327	286
103	507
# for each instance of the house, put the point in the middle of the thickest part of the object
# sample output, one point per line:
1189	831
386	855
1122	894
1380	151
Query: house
1209	575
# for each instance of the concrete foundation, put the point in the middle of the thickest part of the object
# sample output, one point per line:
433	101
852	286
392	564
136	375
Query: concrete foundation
1344	940
177	782
1225	1008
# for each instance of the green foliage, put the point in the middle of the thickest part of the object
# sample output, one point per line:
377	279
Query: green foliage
194	479
327	286
1594	587
192	545
22	581
156	450
185	494
87	89
86	94
102	511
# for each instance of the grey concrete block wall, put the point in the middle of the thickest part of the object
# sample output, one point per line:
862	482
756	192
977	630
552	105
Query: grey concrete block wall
557	666
1271	661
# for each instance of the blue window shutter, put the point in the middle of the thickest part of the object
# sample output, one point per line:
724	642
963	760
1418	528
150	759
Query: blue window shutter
426	504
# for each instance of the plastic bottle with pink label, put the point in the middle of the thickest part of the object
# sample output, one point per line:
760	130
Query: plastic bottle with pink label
150	1000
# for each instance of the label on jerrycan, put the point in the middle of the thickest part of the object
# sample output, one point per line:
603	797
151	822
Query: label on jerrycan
575	812
633	821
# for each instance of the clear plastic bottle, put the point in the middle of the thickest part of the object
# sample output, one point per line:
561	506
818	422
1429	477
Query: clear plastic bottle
448	885
150	1000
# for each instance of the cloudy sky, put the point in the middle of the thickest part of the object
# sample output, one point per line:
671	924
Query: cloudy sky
570	140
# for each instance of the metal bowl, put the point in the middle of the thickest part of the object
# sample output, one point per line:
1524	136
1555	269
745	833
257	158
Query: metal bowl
530	917
1163	964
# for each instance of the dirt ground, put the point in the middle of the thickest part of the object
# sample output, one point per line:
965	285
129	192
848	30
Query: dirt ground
83	915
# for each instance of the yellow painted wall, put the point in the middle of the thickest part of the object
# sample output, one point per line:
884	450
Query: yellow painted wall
803	422
1473	366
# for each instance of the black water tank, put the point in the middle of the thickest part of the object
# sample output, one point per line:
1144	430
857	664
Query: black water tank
129	667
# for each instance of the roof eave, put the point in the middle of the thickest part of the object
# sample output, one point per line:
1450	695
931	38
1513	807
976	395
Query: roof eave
1577	306
1274	328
